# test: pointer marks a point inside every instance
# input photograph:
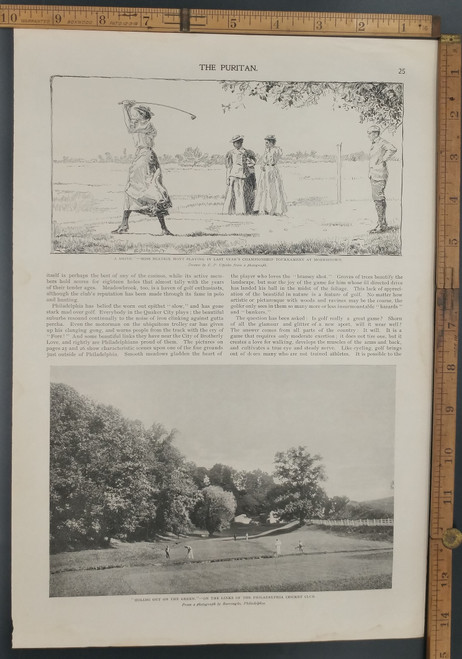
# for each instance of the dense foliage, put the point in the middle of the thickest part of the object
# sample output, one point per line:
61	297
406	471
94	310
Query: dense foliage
376	102
300	495
216	509
111	477
99	482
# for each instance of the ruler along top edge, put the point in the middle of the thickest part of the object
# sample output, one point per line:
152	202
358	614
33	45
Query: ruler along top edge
219	20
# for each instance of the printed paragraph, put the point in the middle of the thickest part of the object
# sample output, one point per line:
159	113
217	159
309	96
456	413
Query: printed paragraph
62	287
304	291
79	326
272	316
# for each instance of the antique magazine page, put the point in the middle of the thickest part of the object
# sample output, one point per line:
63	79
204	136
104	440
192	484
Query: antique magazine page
223	269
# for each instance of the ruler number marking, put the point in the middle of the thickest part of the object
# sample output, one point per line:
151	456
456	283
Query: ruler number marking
9	18
216	21
449	162
445	371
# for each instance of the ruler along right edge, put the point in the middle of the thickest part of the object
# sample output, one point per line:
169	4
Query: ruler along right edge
443	538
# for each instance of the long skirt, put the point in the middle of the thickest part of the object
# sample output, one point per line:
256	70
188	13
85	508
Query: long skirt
270	198
141	194
235	198
249	193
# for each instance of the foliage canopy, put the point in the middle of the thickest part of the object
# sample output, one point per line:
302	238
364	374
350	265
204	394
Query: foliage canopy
110	477
376	102
300	494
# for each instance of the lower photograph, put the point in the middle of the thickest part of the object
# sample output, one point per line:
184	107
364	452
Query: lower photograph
221	479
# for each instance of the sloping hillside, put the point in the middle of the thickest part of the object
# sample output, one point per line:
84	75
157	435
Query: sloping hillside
386	504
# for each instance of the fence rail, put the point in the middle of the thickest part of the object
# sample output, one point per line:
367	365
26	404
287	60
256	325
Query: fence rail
353	522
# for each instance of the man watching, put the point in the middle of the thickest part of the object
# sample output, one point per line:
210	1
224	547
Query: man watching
381	151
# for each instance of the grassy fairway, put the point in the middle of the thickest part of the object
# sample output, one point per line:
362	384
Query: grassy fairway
288	573
329	562
88	199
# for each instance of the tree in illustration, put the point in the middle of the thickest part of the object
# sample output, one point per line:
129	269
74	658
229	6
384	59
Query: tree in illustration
177	493
193	156
199	475
118	468
215	509
223	476
376	102
300	495
253	490
99	486
337	507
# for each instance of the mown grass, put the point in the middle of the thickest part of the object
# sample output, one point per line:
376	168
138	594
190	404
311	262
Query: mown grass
83	242
130	554
290	573
91	195
377	582
330	560
73	201
388	243
315	540
120	554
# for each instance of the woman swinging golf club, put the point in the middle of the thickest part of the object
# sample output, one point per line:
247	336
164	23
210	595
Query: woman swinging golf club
145	192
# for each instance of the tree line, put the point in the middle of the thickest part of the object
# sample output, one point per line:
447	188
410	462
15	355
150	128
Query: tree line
111	477
193	156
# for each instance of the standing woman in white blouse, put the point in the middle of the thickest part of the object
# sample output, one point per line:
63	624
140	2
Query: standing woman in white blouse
144	192
270	198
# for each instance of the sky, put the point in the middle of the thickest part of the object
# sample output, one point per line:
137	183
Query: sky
84	129
242	415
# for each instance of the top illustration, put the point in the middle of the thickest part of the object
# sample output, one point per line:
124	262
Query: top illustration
226	167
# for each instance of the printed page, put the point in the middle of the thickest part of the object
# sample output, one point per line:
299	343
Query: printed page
223	328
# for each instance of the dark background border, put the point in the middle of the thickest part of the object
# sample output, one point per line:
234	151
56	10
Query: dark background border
451	22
